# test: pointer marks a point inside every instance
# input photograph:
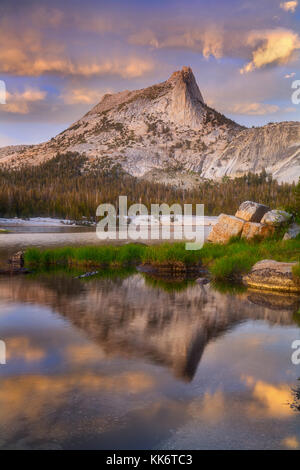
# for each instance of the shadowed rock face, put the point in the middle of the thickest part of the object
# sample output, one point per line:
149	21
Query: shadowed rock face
165	131
253	229
131	318
251	211
292	232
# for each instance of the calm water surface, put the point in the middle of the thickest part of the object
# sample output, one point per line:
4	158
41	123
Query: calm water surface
134	363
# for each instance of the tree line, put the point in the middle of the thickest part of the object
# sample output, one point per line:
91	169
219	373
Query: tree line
67	186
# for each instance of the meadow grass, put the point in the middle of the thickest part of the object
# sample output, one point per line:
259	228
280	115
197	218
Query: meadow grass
296	272
225	262
229	262
87	256
170	254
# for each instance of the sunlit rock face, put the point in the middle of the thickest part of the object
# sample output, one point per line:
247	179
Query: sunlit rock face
167	133
273	275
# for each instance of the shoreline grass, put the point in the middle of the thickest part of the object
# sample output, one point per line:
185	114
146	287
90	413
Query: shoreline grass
225	262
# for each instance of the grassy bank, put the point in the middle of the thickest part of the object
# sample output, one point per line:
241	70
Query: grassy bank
225	262
236	258
113	256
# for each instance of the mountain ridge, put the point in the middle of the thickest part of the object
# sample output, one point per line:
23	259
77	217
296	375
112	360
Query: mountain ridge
166	132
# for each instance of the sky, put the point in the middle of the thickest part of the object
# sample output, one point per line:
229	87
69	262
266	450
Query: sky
57	59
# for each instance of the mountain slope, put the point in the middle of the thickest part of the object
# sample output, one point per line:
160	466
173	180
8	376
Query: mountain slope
166	132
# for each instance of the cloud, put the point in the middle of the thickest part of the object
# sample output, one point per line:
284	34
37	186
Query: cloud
269	398
289	6
47	16
267	46
272	47
30	52
290	110
18	63
253	109
20	347
82	96
208	40
20	103
291	442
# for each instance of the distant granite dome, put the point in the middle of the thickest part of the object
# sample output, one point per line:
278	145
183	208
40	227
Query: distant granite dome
167	133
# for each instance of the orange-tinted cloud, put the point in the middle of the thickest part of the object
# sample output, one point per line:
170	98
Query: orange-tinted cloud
209	40
20	347
291	442
272	400
253	109
20	103
271	47
289	6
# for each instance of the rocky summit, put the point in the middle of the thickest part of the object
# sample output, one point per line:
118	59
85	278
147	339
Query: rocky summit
167	133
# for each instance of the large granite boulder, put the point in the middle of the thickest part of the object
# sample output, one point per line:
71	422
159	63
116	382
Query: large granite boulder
251	211
253	229
226	227
276	218
272	275
292	232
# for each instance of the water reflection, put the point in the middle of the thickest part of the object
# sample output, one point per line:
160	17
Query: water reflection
123	363
129	318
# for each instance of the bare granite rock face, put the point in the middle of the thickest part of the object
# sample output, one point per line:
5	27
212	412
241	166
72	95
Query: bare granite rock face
251	211
254	229
276	218
167	133
240	225
227	226
292	232
272	275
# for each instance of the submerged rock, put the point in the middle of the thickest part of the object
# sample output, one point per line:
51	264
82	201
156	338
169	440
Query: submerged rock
89	274
227	226
292	232
202	281
251	211
276	218
272	275
253	229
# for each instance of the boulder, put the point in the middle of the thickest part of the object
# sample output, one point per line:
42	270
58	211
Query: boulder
253	229
202	281
226	227
272	275
292	232
251	211
276	218
17	260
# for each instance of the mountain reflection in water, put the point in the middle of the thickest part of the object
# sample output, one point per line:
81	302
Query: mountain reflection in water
103	342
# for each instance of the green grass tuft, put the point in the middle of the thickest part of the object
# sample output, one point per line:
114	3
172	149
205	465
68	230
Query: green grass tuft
226	262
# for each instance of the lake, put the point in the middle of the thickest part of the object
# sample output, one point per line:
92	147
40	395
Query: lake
127	361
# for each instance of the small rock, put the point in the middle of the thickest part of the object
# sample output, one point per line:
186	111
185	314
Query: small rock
292	232
251	211
276	218
17	260
272	275
89	274
253	229
227	226
202	281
